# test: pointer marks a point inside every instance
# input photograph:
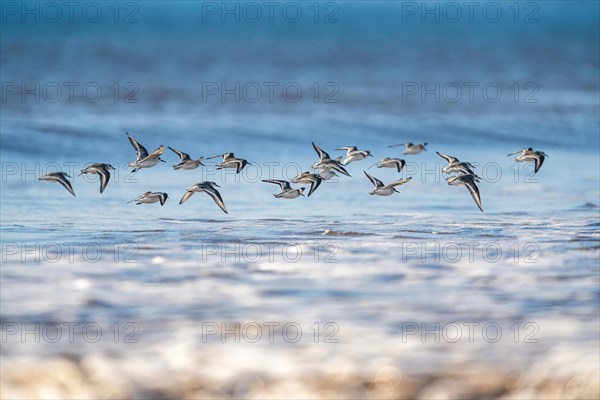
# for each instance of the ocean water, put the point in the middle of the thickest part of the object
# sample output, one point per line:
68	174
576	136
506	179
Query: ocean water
417	295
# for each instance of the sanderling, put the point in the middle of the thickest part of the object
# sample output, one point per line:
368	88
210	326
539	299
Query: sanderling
306	177
326	164
469	181
464	168
151	197
231	161
142	158
102	170
390	163
210	189
410	148
286	190
59	177
185	162
529	154
353	154
385	190
456	166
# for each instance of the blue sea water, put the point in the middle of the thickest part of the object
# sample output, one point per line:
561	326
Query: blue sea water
373	267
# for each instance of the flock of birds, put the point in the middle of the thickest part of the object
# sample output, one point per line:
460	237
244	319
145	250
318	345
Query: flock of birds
460	173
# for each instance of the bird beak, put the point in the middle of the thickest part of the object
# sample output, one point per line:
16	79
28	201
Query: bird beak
512	154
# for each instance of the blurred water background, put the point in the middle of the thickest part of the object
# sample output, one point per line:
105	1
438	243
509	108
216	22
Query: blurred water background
372	267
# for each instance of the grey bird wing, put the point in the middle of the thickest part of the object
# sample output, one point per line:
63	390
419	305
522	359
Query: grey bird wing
186	196
452	179
162	198
376	182
140	151
240	165
66	184
474	190
216	196
322	154
284	185
182	156
104	178
156	153
314	184
399	164
340	169
539	160
449	159
400	182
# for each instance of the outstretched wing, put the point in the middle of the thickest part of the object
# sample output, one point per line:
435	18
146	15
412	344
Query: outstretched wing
240	165
338	167
156	153
140	151
162	198
216	196
376	182
284	185
186	196
474	190
539	160
448	159
182	156
400	182
314	184
66	184
322	154
400	164
104	178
